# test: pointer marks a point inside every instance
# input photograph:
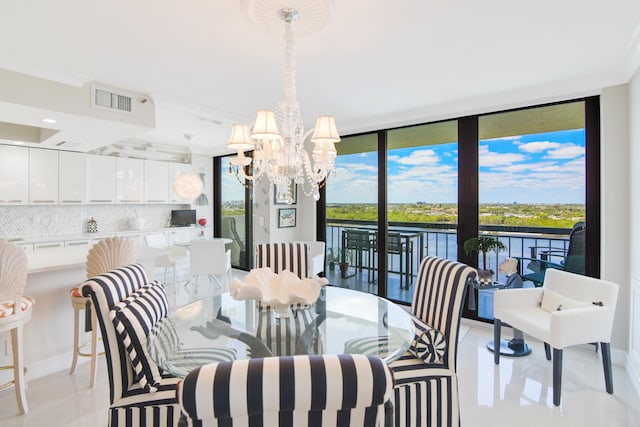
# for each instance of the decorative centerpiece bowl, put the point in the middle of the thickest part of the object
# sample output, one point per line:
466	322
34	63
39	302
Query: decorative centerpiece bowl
278	291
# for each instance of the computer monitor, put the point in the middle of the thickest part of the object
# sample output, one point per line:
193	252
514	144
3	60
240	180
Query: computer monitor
183	217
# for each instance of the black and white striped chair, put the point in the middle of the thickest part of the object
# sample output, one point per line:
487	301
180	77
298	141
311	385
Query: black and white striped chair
126	308
335	390
426	390
284	256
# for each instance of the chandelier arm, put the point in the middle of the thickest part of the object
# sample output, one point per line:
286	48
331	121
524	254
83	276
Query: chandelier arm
316	177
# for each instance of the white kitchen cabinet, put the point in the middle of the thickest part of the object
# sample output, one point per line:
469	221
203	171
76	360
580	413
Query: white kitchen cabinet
71	178
136	238
101	179
28	247
43	177
129	181
181	235
47	245
156	182
85	243
14	175
176	169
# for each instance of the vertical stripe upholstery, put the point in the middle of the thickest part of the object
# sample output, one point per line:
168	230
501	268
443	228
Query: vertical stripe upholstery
334	390
426	394
282	335
284	256
130	404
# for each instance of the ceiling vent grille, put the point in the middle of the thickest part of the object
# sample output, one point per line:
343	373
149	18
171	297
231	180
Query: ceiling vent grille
114	101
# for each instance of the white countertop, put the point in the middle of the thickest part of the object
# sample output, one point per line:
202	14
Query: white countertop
85	236
53	259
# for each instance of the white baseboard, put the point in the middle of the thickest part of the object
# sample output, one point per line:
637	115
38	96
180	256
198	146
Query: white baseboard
61	362
633	372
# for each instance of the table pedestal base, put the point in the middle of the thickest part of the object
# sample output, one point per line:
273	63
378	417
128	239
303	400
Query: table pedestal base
513	348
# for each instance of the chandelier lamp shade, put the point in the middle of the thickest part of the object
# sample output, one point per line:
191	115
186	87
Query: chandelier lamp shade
277	138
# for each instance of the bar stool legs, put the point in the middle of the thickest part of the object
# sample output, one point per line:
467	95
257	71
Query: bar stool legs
18	381
80	303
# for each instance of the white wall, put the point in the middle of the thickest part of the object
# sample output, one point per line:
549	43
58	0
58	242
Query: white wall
614	250
633	303
204	165
264	207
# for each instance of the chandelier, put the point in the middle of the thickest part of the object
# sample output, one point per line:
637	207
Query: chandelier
277	138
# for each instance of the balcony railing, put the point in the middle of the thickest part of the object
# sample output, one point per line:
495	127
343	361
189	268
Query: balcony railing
441	239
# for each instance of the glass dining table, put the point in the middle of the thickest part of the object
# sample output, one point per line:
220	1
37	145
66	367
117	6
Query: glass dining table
222	328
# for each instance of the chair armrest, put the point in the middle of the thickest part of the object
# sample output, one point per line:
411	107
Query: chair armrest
581	326
527	297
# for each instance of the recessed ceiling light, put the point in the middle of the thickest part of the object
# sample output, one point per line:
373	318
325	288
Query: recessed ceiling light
48	120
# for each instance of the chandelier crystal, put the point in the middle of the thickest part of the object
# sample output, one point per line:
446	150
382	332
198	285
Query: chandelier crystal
277	138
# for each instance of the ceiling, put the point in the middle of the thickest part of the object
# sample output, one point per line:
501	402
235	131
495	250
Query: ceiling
204	64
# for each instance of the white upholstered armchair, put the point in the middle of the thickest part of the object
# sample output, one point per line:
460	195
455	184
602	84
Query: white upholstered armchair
569	309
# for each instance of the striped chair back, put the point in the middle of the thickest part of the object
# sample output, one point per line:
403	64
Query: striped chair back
105	291
438	298
284	256
129	403
336	390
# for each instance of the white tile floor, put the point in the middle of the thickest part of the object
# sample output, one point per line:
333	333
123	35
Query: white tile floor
516	393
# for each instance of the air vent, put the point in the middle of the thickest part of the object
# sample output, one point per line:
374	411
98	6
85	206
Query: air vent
103	98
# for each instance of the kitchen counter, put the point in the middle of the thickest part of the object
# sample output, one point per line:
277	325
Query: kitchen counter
85	236
56	259
48	336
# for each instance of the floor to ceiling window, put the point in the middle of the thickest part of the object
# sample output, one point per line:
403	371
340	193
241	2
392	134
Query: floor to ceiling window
235	206
532	180
422	205
521	176
525	176
352	214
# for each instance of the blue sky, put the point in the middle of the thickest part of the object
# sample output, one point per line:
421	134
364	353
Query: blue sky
535	168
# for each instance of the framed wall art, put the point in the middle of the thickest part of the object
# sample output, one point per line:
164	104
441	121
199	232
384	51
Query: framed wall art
282	201
286	217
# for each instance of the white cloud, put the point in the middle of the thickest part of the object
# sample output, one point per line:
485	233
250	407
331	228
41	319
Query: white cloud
488	158
504	138
538	146
567	151
418	157
357	167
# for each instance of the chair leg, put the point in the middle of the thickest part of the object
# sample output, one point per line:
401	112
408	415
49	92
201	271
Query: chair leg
606	364
229	280
175	282
557	375
18	369
547	351
76	339
497	324
94	346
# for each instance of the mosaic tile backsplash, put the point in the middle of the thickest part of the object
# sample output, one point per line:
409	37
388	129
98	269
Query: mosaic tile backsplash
43	222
